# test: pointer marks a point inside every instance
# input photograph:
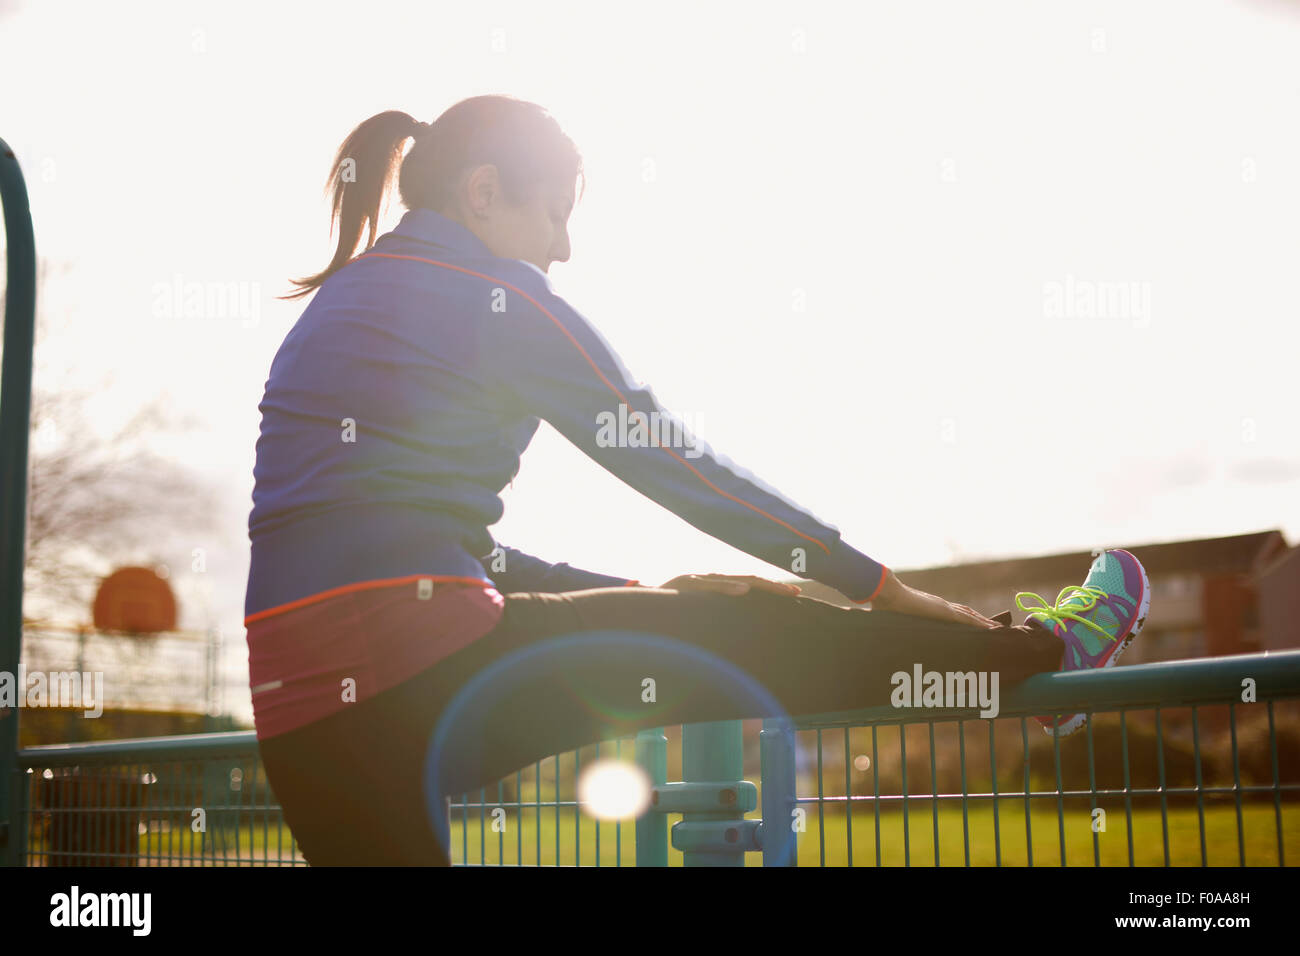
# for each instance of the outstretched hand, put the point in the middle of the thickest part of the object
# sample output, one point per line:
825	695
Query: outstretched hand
898	597
728	584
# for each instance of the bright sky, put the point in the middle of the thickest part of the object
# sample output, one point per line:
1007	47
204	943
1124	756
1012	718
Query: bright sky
966	280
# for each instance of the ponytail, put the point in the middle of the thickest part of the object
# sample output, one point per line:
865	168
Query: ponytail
521	139
360	179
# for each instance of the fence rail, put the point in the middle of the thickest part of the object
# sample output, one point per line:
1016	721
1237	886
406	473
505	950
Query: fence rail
1182	763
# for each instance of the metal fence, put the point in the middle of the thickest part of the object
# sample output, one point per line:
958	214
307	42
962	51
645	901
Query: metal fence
193	800
1182	763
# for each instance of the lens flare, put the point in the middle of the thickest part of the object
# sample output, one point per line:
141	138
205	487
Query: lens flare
454	759
613	790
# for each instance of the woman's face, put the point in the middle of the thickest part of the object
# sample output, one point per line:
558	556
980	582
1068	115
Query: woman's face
536	231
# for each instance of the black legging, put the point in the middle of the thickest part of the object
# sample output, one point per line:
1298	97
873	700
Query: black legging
561	671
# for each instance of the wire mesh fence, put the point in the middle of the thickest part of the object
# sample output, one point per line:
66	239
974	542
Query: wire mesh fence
197	800
1187	763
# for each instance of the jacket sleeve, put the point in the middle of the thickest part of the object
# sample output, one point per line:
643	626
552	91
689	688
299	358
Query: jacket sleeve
512	570
557	366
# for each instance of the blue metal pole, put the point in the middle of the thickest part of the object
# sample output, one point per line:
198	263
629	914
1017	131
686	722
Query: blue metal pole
776	750
15	422
714	752
651	755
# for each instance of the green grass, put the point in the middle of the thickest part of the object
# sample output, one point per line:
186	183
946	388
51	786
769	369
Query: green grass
248	842
1259	831
1259	835
229	846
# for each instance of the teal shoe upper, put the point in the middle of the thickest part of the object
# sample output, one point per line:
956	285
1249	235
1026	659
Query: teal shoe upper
1091	619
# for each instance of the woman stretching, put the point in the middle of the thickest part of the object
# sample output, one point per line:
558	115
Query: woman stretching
396	411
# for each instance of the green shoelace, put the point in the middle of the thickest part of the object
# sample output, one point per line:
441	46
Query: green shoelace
1060	614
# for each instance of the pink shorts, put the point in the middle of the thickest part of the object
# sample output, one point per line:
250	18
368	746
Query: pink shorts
315	659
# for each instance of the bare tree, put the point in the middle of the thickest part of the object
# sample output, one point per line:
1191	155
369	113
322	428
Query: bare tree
94	499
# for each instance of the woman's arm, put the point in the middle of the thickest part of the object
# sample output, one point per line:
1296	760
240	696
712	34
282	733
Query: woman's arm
512	570
558	367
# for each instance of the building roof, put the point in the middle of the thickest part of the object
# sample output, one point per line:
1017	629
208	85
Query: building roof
1284	562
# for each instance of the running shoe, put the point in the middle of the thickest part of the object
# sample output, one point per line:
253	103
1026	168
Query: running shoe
1096	621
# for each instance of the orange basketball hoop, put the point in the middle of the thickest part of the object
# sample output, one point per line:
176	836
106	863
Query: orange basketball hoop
135	600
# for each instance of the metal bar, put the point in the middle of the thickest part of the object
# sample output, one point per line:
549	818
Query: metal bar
1164	799
1092	787
577	810
519	818
84	795
907	842
993	769
1060	800
239	815
1128	796
1163	684
934	794
234	744
1277	793
1236	784
652	827
21	803
618	824
777	758
1200	795
279	828
1029	832
875	788
136	776
965	803
713	752
821	803
15	424
848	798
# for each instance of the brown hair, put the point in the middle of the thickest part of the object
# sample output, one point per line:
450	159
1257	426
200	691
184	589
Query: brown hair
521	139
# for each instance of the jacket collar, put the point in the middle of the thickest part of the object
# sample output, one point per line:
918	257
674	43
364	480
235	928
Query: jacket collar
425	225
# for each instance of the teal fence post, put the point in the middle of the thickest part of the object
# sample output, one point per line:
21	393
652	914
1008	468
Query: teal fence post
777	753
652	826
713	798
19	806
15	422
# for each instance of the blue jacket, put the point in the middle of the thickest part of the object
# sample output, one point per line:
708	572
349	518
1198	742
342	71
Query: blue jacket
399	404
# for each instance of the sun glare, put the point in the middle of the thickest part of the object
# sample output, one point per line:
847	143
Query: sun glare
614	790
